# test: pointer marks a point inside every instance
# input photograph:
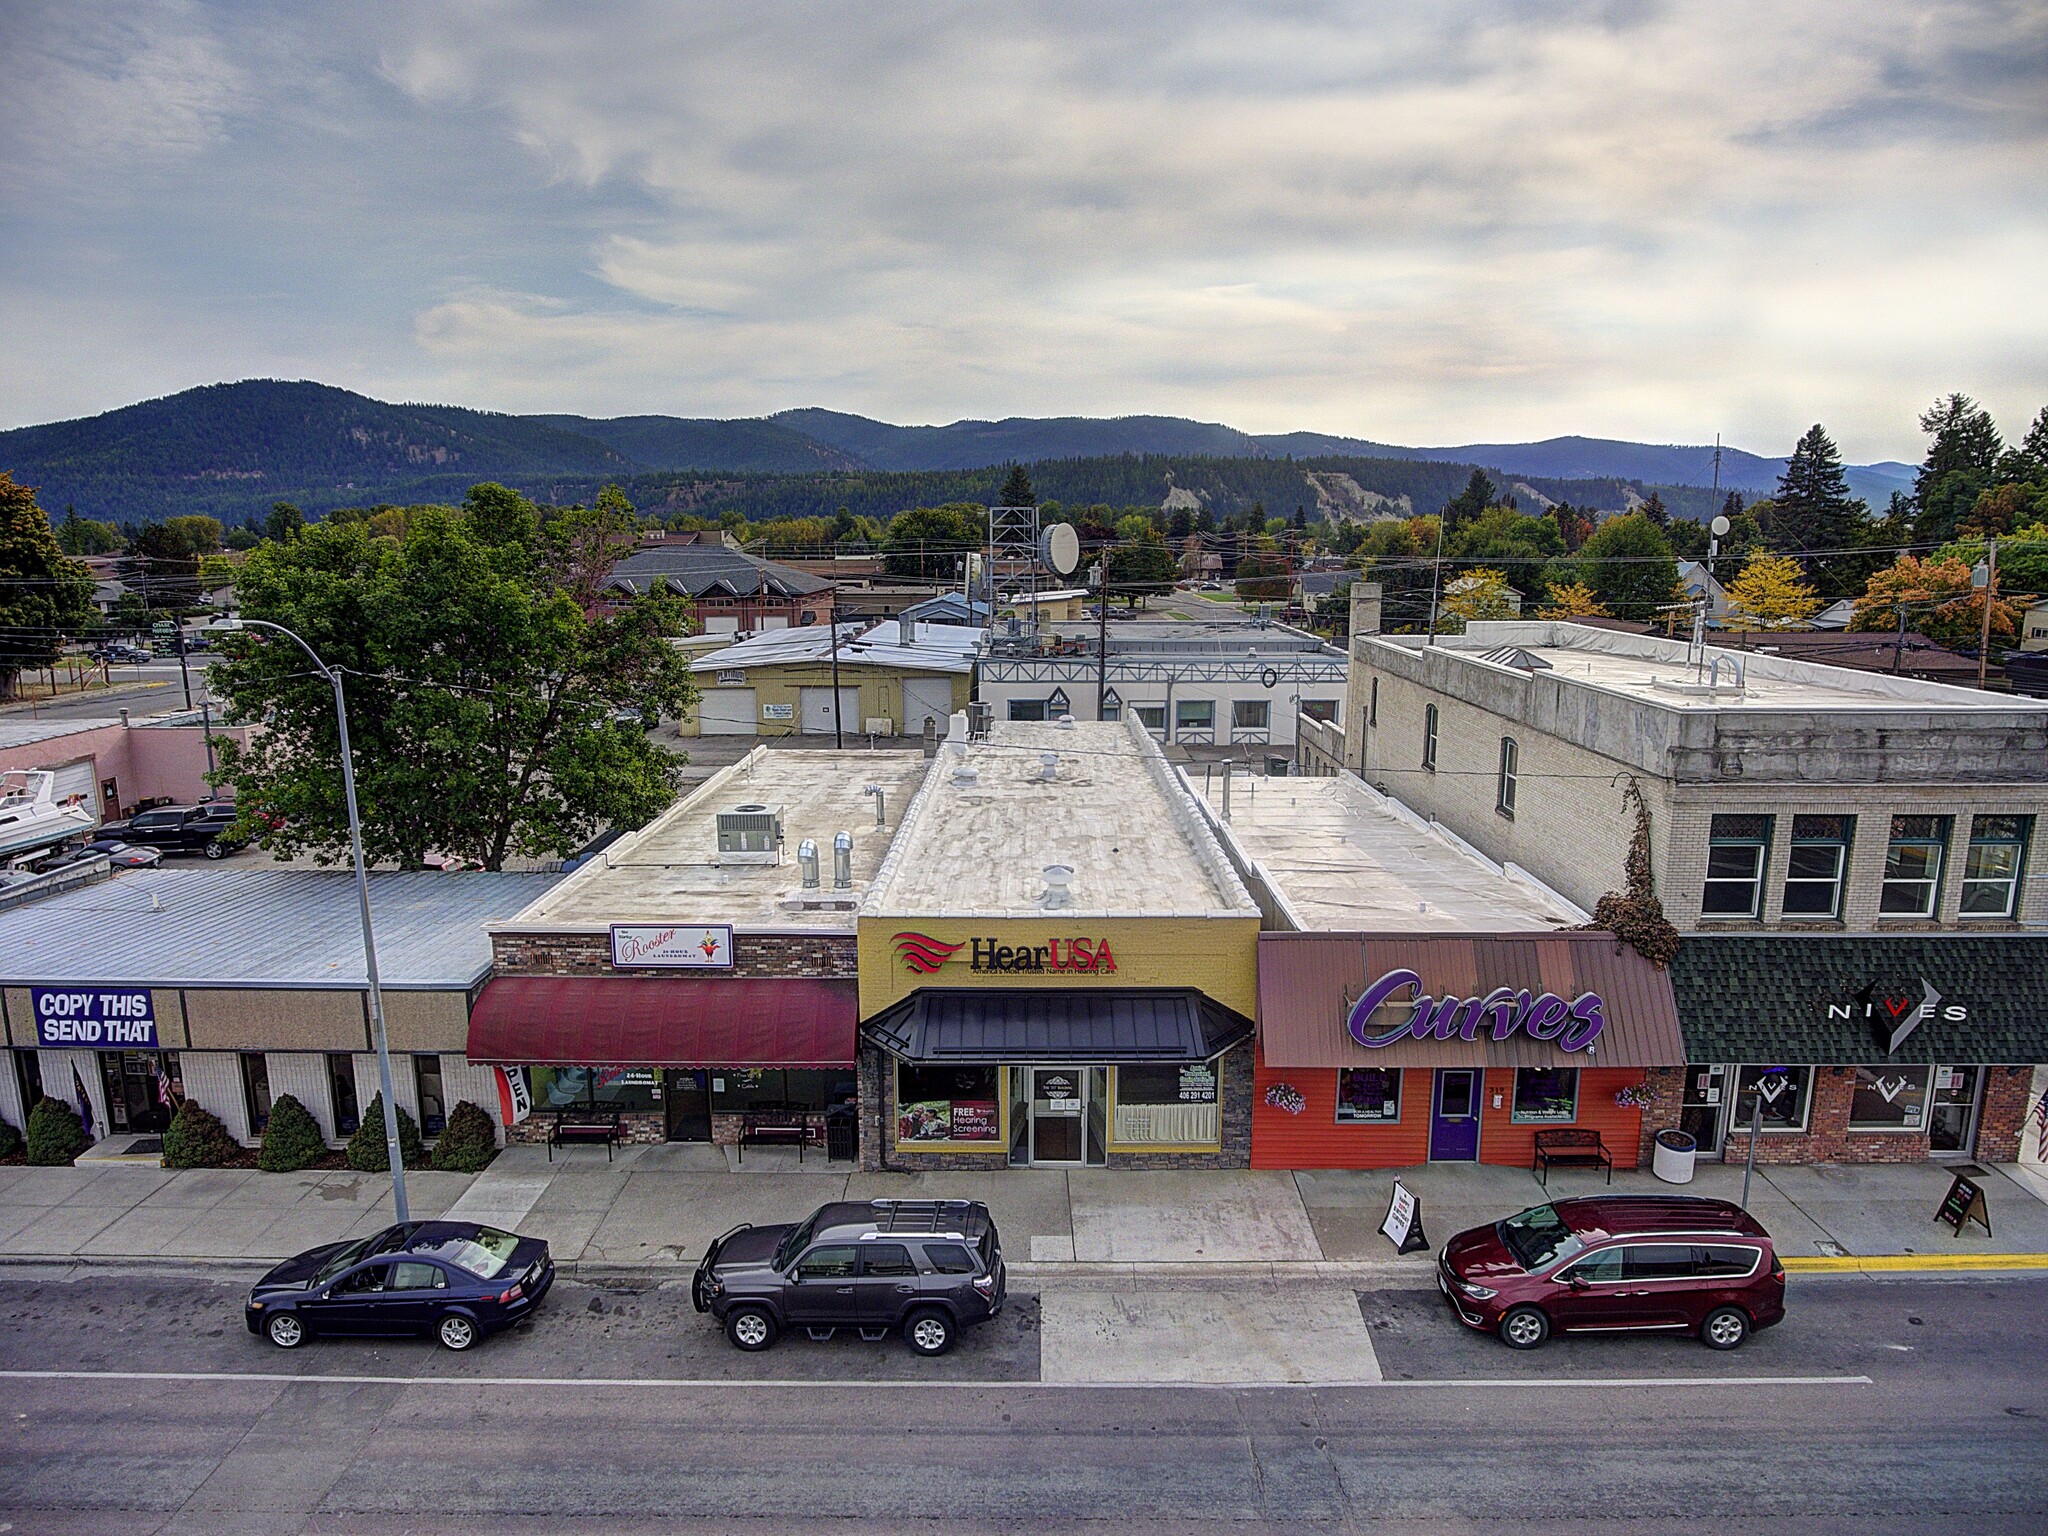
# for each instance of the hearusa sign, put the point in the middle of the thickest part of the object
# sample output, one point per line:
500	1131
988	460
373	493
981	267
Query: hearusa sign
1573	1025
102	1018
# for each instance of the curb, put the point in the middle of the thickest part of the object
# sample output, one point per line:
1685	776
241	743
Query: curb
1909	1263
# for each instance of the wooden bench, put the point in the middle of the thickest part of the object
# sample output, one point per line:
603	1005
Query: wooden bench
774	1127
575	1125
1574	1148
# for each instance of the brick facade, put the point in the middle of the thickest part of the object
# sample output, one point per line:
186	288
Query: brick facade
1666	1087
832	956
1828	1139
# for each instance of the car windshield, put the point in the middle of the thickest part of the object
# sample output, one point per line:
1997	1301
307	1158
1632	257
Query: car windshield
1538	1236
795	1241
347	1256
482	1255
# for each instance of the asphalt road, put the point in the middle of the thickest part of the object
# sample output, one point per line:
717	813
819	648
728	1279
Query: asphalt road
602	1415
142	690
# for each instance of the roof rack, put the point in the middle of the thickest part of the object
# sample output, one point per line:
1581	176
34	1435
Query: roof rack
897	1215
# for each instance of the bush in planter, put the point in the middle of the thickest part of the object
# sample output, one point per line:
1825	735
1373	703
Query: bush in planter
54	1134
197	1139
10	1140
366	1152
470	1141
291	1139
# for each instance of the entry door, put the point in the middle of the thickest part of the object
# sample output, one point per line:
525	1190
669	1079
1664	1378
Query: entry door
687	1097
1952	1124
1703	1113
132	1101
1058	1116
817	711
1454	1117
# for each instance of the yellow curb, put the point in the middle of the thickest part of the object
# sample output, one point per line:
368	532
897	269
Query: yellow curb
1826	1264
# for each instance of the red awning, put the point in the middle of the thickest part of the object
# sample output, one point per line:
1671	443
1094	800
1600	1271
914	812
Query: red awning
633	1021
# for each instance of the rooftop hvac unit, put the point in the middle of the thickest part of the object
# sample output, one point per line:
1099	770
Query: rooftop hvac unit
750	834
981	718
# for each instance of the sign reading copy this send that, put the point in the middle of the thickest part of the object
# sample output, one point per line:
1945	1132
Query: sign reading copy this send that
98	1018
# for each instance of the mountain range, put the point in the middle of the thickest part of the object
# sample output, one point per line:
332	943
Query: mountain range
232	449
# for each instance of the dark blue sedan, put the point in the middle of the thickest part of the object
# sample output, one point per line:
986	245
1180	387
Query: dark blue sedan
454	1279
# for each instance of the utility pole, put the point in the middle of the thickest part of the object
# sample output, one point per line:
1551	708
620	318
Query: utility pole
1102	633
1990	596
838	725
185	670
1436	576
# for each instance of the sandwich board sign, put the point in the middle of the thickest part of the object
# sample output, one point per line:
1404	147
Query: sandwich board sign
1403	1225
1963	1204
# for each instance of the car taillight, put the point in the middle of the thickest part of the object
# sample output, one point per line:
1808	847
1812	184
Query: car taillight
511	1293
986	1286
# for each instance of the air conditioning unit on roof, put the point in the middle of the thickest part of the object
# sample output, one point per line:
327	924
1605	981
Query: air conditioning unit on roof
750	834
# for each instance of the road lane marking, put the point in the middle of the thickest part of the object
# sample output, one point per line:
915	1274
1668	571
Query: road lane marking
923	1385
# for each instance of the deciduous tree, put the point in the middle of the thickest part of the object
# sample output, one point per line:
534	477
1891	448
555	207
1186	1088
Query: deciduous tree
928	543
44	596
1771	593
1474	595
1628	563
1574	600
1935	599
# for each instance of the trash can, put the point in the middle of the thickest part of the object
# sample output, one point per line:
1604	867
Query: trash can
842	1134
1674	1156
1276	767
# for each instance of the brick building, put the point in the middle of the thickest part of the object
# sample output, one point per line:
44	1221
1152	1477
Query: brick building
1877	830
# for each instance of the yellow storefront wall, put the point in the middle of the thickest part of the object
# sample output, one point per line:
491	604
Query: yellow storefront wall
1217	956
881	693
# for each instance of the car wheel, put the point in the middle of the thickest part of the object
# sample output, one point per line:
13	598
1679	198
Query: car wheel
216	849
928	1333
456	1331
1524	1328
750	1328
285	1330
1725	1328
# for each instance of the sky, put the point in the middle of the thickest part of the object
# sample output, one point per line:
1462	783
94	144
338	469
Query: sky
1424	224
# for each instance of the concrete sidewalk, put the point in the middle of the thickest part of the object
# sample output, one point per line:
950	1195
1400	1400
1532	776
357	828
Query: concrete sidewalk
659	1207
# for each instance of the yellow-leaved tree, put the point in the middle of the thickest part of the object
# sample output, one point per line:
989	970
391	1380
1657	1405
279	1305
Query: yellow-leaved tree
1574	600
1771	593
1480	594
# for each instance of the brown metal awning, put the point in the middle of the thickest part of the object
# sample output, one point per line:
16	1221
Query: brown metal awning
637	1021
1308	982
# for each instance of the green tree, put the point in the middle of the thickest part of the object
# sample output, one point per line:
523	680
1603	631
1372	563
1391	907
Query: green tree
469	1142
1262	576
291	1137
1518	546
1813	510
1962	453
1141	569
1393	554
283	523
1016	491
484	666
367	1152
55	1134
198	535
82	536
44	596
1628	564
928	543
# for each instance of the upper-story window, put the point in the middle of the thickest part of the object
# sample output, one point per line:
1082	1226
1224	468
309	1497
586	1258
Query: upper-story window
1510	766
1429	738
1819	861
1993	866
1912	866
1738	847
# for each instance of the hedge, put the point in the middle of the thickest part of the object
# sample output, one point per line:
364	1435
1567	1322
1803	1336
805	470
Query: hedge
10	1140
291	1139
470	1141
54	1135
197	1139
366	1150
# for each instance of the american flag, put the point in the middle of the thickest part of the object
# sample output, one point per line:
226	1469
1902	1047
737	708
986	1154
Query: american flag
163	1086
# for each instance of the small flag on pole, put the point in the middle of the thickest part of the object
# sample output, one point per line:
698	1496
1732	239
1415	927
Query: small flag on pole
85	1116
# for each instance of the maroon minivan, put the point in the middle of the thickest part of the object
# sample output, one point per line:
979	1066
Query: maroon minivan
1613	1264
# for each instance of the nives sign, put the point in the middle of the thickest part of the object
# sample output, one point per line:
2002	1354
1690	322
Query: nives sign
103	1018
1071	957
1574	1025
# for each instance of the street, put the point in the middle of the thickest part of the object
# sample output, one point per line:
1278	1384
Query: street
148	689
1903	1404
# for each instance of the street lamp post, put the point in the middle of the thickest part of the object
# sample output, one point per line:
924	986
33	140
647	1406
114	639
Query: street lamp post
355	838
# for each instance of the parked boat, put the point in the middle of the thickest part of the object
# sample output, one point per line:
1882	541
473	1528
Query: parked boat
31	816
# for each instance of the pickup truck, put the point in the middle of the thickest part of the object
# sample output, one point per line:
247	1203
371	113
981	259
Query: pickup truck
181	829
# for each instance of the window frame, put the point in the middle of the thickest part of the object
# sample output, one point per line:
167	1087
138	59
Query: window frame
2020	842
421	1061
1857	1085
1152	717
1841	842
341	1072
1738	1123
1339	1117
1518	1116
1264	709
1938	844
1760	844
1021	710
1431	720
253	1064
1184	728
1509	779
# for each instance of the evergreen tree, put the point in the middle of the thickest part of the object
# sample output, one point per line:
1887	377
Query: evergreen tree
1470	504
1961	456
1016	491
44	596
1655	510
1813	510
2026	463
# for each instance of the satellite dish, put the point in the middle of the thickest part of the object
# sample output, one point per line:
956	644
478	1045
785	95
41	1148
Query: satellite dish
1720	527
1059	549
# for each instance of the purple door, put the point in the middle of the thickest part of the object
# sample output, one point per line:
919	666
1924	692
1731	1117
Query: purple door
1454	1116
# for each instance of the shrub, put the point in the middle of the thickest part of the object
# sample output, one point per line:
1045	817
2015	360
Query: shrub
10	1140
292	1139
197	1139
470	1141
366	1153
54	1134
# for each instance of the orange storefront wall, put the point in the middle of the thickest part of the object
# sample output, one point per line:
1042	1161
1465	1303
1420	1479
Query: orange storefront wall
1313	1139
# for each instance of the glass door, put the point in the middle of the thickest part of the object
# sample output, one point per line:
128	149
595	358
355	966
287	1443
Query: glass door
1058	1116
1703	1110
1952	1124
686	1095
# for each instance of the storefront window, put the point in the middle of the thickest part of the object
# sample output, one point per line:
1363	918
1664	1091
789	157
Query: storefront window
1368	1095
1546	1095
1991	871
738	1090
426	1073
1168	1105
1194	719
947	1104
1783	1091
629	1089
341	1086
256	1090
1889	1099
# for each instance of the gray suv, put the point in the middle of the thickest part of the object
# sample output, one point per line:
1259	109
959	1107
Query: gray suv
927	1267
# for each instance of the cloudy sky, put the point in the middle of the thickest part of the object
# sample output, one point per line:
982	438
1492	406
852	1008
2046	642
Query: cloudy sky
1430	223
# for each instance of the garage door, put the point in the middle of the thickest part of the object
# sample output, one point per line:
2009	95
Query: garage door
727	712
817	710
79	781
926	696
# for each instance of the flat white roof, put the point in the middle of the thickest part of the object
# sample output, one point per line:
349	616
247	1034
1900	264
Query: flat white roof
933	648
1113	813
671	870
1345	858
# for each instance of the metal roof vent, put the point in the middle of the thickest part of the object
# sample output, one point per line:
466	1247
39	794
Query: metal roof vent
1048	765
1058	879
842	861
807	861
966	775
1065	722
1514	656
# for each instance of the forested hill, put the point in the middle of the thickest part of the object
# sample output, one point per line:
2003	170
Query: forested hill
231	450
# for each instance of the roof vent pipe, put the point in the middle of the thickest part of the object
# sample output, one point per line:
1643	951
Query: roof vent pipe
842	861
1058	877
881	810
1048	765
807	861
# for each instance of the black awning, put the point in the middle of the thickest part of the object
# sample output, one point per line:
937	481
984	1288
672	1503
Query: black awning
1859	999
1092	1024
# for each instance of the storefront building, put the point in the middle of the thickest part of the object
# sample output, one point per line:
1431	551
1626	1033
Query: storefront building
1861	1048
1057	965
697	979
233	987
